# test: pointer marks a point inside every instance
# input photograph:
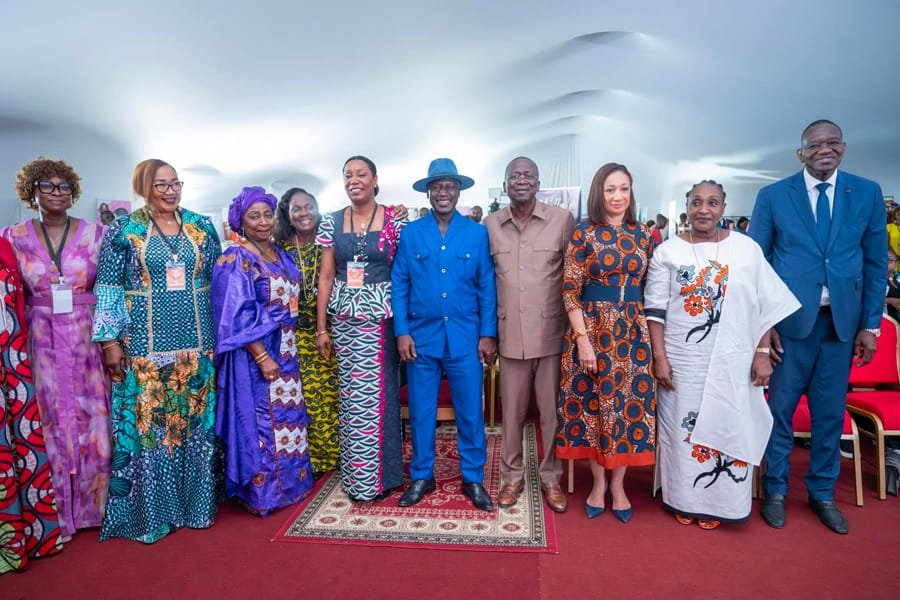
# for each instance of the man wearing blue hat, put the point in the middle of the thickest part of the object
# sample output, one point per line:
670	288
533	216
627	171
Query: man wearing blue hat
446	321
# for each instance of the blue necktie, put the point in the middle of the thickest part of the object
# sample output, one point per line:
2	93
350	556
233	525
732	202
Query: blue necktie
823	214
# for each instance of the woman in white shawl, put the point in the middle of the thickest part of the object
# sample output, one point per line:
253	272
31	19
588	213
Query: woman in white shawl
711	299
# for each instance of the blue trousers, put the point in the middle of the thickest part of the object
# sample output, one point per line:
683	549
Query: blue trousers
819	366
464	375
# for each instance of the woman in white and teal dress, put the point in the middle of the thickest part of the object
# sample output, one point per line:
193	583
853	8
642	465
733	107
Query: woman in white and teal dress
154	323
358	246
711	299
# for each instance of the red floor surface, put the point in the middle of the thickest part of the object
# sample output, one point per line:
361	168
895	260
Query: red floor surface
652	556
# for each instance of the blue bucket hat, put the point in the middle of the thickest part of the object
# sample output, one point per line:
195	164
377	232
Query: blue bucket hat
443	168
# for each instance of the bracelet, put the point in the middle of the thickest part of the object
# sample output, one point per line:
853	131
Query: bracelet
261	357
763	350
323	332
108	344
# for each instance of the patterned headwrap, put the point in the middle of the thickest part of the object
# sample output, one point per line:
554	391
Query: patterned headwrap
247	198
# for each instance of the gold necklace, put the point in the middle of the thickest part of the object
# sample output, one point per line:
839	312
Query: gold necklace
309	283
694	250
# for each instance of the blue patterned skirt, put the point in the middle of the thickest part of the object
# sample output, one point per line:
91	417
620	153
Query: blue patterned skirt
370	440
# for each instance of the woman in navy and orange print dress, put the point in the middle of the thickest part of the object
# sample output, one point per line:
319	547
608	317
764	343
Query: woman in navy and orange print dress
607	404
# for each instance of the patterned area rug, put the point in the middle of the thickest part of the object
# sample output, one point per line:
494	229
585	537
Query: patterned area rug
444	520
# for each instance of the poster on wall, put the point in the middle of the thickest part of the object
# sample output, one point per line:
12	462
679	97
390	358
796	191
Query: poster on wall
568	198
108	210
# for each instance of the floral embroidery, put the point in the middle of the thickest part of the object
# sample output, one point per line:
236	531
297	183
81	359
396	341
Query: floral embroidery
689	421
703	294
723	464
693	305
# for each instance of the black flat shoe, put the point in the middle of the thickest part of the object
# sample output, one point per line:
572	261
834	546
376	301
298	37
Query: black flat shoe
830	515
416	491
772	510
478	495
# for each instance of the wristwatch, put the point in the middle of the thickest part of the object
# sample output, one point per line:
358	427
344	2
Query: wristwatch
580	332
876	331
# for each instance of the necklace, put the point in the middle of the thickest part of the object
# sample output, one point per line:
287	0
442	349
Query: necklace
264	253
694	250
310	284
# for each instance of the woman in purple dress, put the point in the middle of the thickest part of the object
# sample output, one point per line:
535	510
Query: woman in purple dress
57	257
261	414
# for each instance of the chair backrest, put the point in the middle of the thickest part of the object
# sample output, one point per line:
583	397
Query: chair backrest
885	365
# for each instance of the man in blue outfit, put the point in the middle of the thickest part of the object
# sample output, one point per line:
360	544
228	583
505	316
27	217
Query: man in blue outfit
445	318
823	231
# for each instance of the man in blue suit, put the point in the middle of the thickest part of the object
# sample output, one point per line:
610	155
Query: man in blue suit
445	318
823	231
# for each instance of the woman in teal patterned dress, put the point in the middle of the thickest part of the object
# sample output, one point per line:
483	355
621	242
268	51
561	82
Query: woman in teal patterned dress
154	323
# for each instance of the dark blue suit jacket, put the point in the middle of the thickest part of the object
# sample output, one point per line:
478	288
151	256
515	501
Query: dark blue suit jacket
442	287
853	264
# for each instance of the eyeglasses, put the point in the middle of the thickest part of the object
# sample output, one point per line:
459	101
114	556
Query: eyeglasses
47	187
525	176
443	187
162	188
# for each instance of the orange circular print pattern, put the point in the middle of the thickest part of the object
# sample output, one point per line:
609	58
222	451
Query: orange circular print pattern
608	416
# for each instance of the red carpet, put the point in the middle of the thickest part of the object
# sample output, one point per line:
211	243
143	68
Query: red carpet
650	557
444	520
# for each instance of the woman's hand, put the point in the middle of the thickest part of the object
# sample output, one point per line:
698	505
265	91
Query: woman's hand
586	355
114	361
324	345
270	369
399	211
761	370
662	370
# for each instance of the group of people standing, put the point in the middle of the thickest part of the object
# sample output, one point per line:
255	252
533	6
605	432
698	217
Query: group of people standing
168	375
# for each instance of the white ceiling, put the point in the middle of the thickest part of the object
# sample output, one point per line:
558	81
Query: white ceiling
276	93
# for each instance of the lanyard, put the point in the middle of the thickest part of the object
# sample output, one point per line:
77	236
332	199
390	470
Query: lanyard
174	247
56	255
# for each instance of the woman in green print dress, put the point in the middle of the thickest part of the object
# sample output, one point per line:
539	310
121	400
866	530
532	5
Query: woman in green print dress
154	323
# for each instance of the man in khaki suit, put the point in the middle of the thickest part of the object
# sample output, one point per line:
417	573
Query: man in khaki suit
528	240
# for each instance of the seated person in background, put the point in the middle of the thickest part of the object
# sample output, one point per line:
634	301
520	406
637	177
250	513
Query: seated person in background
892	299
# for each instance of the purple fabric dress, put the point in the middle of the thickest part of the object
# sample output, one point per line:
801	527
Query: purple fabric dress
71	387
263	424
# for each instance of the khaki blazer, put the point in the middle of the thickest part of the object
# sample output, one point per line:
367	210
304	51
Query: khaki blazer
528	264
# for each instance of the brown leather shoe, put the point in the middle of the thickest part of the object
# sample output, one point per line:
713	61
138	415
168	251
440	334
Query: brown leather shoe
556	498
509	493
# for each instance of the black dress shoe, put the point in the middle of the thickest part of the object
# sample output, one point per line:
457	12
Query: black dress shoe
416	491
830	515
772	510
478	495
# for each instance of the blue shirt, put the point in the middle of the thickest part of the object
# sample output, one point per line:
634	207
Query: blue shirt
444	293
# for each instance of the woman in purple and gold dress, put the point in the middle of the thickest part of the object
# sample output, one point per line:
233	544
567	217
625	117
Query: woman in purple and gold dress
262	416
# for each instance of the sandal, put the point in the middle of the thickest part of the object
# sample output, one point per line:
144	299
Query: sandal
684	520
708	524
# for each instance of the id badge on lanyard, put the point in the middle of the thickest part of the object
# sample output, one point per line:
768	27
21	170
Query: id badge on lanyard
294	300
175	275
356	274
61	293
